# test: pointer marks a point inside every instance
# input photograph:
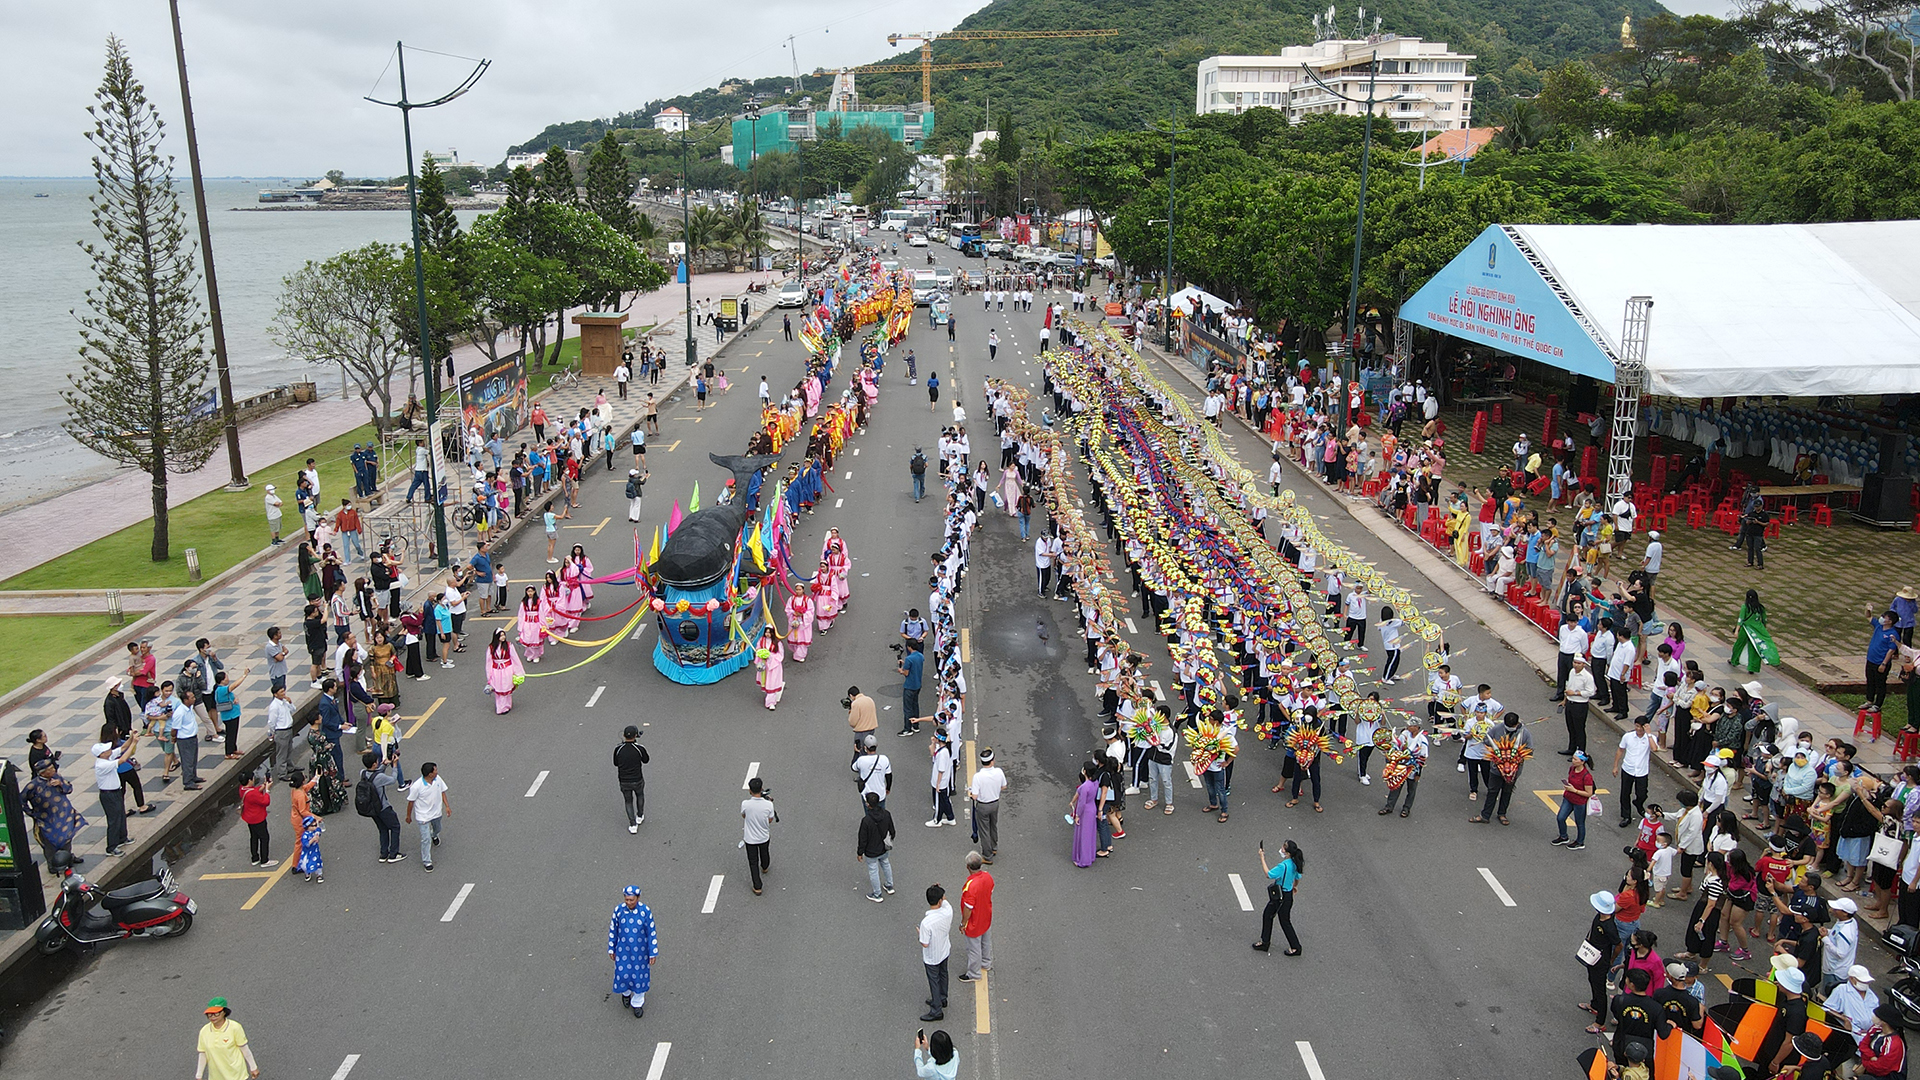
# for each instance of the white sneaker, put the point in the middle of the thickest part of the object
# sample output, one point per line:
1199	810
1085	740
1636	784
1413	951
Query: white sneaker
1133	789
423	677
1460	767
1366	779
934	824
633	828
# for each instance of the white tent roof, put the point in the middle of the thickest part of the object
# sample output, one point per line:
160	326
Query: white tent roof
1796	310
1183	300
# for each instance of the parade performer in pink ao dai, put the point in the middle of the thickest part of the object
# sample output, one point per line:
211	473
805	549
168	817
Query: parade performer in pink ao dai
769	660
833	556
579	571
553	602
531	625
825	607
503	671
800	624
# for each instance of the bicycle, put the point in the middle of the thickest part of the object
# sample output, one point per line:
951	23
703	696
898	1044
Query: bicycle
461	517
565	377
396	542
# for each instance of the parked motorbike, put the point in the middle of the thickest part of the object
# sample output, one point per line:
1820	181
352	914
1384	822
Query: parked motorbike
1904	995
84	914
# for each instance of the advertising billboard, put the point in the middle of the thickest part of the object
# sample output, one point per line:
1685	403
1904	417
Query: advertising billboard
495	396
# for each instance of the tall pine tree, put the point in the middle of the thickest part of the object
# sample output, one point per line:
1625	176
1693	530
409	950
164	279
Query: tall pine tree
439	228
610	186
137	397
557	184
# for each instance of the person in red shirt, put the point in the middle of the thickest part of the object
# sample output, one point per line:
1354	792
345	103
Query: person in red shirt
976	913
255	797
1883	1052
142	667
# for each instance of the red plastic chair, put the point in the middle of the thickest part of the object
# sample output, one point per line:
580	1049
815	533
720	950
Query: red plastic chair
1906	746
1790	514
1477	564
1696	516
1660	520
1773	530
1823	516
1867	716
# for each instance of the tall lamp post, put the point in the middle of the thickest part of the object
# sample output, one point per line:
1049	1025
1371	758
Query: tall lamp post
428	361
686	257
1360	218
1166	293
236	474
753	156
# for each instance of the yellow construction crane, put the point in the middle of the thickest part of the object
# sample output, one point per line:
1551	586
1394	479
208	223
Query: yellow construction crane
927	39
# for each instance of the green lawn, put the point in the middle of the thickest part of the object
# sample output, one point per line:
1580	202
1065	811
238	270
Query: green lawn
538	381
35	643
226	527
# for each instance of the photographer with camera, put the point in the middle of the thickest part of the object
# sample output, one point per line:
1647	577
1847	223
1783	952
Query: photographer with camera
912	661
862	717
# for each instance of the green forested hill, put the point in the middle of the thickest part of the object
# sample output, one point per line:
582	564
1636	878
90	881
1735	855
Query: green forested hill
1119	83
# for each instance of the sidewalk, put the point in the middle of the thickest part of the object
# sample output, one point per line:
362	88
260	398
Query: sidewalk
234	612
38	532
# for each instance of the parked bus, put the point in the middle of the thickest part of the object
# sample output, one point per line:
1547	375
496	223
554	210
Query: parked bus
959	232
895	220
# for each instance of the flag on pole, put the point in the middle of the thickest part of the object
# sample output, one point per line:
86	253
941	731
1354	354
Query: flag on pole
694	506
653	553
673	519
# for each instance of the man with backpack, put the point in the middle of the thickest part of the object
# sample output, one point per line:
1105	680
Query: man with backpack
372	799
630	761
917	466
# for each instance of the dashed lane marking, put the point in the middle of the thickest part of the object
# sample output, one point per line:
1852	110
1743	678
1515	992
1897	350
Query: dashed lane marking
537	781
1499	890
346	1067
849	475
1309	1060
713	894
659	1067
1132	629
966	645
753	770
595	699
672	446
1193	778
837	503
1240	892
459	899
1158	694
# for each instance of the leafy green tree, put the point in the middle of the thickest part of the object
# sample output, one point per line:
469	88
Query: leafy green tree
352	311
1523	126
1864	166
557	183
1413	233
1574	98
577	259
336	177
143	364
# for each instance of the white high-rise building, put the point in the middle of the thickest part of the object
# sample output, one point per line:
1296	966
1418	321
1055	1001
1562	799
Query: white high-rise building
1420	85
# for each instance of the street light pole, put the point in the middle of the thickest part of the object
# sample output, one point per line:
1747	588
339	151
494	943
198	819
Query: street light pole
236	475
686	257
753	158
428	361
1360	218
1166	291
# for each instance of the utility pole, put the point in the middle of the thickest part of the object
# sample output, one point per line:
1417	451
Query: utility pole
753	131
686	257
236	474
428	361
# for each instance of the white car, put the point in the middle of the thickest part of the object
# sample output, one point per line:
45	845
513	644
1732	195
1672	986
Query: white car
938	236
925	284
943	277
888	266
792	294
916	239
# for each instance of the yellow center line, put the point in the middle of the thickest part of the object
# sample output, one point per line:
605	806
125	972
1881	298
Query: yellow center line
267	886
425	716
602	525
982	1006
966	650
673	446
1551	796
237	877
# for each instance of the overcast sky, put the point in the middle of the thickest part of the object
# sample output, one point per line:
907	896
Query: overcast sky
277	87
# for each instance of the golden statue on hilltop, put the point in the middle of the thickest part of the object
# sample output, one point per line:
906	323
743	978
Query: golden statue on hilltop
1626	31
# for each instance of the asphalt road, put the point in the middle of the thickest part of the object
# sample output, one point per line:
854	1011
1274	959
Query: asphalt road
1415	964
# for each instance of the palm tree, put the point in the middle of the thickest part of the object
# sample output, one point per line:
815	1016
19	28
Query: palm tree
1523	126
750	229
645	233
705	230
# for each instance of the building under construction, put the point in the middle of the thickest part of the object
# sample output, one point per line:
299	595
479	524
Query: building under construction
781	128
